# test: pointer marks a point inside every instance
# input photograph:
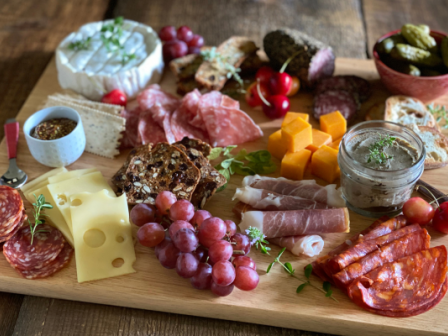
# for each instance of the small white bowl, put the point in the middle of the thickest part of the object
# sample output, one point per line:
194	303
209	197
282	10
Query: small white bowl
59	152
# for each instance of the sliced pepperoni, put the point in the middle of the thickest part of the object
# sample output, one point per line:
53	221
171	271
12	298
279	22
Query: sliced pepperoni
11	207
18	224
47	244
57	264
335	100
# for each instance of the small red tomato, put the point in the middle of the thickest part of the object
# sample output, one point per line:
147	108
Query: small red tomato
280	83
440	220
115	97
167	33
279	105
264	74
252	96
295	86
418	211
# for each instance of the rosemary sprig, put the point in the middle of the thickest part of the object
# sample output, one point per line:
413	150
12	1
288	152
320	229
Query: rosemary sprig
80	44
257	238
376	150
439	112
38	207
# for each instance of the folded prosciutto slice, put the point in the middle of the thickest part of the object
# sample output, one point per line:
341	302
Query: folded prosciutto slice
261	199
306	189
310	245
297	222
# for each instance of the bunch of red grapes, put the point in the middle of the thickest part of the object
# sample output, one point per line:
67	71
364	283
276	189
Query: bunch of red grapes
200	247
180	42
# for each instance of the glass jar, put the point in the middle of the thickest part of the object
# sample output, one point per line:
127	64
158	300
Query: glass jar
374	192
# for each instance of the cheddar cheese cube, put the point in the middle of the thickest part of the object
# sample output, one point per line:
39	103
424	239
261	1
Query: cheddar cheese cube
335	144
294	164
276	146
324	164
290	116
334	124
319	139
297	135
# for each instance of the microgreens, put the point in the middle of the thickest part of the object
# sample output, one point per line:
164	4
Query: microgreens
257	238
38	206
440	113
258	162
83	44
326	288
376	150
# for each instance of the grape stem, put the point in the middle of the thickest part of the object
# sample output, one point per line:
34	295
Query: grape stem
284	66
263	99
435	199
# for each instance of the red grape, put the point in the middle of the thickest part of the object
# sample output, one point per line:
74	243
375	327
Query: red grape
221	290
220	250
418	211
213	228
142	214
115	97
174	49
203	277
186	265
194	50
161	246
231	227
253	97
182	210
440	221
185	240
242	244
151	234
168	255
184	33
280	83
201	253
206	242
196	41
277	108
167	33
264	74
199	217
244	261
177	225
246	278
164	201
223	273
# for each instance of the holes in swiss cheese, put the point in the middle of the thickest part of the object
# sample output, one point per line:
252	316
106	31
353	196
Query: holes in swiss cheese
76	202
62	199
94	238
120	239
117	263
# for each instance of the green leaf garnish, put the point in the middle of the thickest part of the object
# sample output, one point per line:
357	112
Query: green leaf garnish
257	238
376	150
39	205
301	287
440	113
308	270
80	44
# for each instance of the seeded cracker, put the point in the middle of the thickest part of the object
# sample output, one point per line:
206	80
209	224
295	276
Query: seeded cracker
103	130
166	167
80	100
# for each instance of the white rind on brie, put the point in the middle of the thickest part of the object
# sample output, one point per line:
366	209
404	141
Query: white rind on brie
96	71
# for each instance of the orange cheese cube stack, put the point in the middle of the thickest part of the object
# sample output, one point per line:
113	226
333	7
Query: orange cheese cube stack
297	135
324	164
276	146
319	139
294	164
335	144
290	116
334	124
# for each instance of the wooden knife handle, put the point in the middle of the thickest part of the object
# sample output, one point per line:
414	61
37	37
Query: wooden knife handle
12	138
420	187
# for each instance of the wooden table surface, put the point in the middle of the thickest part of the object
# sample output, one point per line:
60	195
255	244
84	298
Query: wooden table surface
30	30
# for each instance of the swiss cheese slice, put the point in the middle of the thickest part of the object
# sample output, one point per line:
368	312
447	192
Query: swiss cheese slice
34	183
62	191
102	235
70	174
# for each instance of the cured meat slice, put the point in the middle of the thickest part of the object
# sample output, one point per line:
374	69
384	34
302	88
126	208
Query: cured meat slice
353	84
335	100
225	124
306	189
261	199
275	224
164	102
408	284
131	137
364	247
191	102
11	207
56	265
310	245
150	131
409	244
17	226
45	248
240	208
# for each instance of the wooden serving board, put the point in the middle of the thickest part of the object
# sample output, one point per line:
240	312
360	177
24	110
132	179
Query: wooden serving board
274	302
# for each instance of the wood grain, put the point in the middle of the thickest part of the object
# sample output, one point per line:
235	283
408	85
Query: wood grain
152	287
336	22
383	16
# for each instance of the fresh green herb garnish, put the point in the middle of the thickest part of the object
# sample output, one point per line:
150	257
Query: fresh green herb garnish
110	35
212	55
440	113
38	206
326	288
243	163
80	44
257	238
376	149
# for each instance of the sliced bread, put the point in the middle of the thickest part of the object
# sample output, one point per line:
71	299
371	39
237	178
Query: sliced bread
408	111
436	145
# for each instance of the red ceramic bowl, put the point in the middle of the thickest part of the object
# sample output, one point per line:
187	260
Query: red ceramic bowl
424	88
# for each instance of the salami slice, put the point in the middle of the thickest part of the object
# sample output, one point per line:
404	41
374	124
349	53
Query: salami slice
149	130
335	100
409	244
57	264
11	207
409	284
45	248
17	226
355	85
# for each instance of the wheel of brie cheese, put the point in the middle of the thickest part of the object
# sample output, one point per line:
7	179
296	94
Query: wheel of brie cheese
97	59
